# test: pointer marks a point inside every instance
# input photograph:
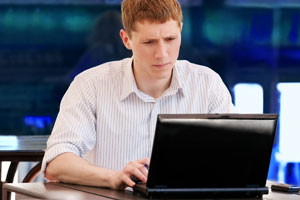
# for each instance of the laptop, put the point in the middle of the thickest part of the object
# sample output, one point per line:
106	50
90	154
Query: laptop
211	155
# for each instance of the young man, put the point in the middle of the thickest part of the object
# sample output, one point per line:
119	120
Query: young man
104	131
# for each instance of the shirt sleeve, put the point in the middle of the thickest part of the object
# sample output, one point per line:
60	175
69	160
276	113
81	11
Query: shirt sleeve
220	99
74	130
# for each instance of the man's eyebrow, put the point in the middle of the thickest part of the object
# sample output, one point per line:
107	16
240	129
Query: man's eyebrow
149	39
171	36
153	39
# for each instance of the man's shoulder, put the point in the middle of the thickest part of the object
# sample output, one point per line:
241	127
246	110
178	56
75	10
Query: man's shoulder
105	70
185	67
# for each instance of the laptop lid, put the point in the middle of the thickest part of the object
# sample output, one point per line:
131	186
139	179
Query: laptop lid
211	151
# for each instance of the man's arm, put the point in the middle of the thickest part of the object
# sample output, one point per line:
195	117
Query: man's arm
220	99
70	168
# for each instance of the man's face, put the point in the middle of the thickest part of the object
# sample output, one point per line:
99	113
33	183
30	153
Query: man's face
155	48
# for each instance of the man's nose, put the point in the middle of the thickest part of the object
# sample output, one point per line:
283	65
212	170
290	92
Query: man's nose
161	50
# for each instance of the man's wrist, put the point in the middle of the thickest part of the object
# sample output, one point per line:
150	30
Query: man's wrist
109	179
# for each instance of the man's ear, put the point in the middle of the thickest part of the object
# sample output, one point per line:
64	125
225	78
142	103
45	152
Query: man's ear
125	38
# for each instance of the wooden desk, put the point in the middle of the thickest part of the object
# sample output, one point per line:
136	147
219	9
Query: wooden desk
47	191
21	148
76	192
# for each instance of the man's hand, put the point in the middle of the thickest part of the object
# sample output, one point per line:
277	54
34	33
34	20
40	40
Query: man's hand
123	178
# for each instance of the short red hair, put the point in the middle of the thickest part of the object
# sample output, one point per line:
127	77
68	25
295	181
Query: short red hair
153	10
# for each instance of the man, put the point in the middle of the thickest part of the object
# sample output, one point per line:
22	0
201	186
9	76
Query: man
108	115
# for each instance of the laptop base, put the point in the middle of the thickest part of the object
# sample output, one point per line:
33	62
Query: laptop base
201	192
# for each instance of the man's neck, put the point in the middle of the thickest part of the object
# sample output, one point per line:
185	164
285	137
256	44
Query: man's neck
152	87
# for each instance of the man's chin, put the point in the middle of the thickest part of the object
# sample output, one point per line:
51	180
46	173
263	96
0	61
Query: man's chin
163	75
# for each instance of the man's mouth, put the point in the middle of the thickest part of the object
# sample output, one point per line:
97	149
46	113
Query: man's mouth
161	65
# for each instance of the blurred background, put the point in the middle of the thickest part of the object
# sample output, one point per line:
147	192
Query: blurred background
253	44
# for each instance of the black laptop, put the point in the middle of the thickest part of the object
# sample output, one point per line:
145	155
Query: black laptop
211	155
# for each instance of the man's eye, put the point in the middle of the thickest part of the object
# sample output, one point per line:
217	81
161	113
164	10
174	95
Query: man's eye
148	42
170	39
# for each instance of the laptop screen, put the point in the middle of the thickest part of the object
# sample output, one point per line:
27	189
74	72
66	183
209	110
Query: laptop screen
211	150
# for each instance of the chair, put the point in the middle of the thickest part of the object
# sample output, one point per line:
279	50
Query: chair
28	178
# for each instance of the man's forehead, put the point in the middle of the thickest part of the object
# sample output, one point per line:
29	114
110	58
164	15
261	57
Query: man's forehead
150	28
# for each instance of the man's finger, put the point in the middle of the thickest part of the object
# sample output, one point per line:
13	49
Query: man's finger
144	161
135	172
139	174
125	179
144	170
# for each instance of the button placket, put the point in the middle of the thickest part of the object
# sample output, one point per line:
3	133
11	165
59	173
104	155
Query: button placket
151	125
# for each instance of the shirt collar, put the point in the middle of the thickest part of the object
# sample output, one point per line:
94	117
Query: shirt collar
129	84
177	84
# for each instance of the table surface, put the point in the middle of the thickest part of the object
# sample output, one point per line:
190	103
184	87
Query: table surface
76	192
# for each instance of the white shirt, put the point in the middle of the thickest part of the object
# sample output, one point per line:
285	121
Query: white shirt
107	120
